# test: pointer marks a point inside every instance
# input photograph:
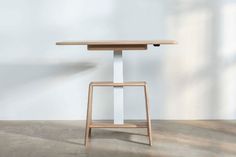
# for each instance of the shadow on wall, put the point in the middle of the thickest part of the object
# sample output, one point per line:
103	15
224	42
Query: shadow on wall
17	75
41	89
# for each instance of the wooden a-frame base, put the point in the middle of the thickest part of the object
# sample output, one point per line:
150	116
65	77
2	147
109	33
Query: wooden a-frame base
90	124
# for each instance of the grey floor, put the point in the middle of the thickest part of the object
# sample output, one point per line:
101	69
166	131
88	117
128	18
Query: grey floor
170	139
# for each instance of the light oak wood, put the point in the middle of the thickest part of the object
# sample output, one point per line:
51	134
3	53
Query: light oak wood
117	42
149	128
118	84
118	47
90	124
91	110
89	115
111	125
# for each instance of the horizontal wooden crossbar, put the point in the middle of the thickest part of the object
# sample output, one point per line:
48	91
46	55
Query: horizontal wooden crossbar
118	84
111	125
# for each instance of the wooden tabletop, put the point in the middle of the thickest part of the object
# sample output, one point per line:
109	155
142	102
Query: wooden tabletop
117	45
117	42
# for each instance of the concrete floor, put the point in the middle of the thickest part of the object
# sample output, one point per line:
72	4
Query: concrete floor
170	139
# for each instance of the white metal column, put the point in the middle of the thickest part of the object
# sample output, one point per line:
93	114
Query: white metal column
118	91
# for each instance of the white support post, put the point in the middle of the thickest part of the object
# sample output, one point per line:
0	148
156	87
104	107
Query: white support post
118	91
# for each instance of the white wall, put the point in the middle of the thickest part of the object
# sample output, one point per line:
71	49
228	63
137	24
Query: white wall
192	80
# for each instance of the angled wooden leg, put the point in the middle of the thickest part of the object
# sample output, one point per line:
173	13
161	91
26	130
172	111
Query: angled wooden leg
88	119
91	110
149	129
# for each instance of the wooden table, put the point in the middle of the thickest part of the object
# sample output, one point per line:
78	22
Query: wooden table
117	46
